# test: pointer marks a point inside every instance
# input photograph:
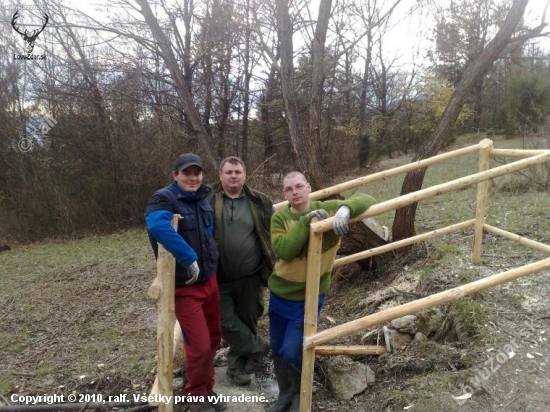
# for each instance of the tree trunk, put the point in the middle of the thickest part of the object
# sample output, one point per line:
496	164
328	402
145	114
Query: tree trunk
284	31
188	6
305	151
360	238
207	142
267	126
403	224
315	169
246	92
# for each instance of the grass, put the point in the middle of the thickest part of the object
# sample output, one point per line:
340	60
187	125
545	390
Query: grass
69	306
74	304
460	205
472	313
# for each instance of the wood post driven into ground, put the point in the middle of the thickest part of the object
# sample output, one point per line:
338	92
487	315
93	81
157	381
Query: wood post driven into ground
310	315
162	289
484	163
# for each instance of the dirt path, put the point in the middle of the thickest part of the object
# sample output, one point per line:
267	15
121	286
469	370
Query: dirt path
516	374
266	389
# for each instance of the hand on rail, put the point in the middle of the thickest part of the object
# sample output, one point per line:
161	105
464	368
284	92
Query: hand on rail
340	222
320	213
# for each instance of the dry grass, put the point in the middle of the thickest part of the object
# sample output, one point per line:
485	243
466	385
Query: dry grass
75	315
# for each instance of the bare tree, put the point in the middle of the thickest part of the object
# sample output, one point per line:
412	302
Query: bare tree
403	224
305	146
206	141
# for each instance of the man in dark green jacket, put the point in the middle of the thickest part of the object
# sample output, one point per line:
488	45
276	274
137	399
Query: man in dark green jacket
242	233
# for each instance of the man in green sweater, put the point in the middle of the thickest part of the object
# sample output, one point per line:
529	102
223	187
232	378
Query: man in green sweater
287	284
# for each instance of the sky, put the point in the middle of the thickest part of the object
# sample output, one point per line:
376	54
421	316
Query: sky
411	33
407	36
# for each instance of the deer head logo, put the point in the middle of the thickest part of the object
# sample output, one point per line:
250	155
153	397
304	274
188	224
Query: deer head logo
29	38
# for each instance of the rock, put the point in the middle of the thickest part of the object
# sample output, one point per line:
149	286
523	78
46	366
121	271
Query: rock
420	337
387	339
348	378
405	324
371	378
429	320
398	340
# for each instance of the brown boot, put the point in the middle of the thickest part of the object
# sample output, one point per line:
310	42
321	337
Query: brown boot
239	376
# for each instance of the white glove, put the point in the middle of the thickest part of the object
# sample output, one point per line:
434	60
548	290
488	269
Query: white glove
320	213
340	222
193	271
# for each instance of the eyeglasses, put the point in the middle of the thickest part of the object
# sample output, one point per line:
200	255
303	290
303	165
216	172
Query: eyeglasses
298	187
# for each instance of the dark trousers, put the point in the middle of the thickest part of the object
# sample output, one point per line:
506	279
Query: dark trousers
197	309
241	307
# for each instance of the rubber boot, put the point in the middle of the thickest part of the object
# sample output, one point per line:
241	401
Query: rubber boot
282	374
295	382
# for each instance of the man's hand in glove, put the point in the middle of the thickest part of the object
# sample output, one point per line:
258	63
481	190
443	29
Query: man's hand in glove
320	213
193	271
340	222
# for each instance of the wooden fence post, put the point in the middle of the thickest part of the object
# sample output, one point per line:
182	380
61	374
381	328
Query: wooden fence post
310	314
486	146
163	290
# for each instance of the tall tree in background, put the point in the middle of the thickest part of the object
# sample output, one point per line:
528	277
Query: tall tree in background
462	31
207	143
305	141
247	77
403	224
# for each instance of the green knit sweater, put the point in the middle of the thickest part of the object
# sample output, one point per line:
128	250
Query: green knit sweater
290	237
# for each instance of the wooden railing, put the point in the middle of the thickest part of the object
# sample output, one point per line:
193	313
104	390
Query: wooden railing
313	339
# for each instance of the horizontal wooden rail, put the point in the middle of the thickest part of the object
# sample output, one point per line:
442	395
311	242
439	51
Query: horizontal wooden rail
517	152
520	239
352	184
405	242
351	350
405	200
437	299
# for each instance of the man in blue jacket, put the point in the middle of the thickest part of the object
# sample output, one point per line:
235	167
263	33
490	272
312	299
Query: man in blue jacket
197	299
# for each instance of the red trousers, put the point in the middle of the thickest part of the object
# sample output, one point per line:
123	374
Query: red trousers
197	309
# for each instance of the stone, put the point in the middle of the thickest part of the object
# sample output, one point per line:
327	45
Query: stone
371	377
429	321
405	324
347	378
398	340
420	337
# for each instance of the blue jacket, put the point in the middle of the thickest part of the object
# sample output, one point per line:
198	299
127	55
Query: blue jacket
194	240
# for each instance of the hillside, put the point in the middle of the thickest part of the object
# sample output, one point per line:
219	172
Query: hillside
76	317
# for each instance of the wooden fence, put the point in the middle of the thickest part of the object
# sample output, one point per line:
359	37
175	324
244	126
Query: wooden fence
314	339
162	288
